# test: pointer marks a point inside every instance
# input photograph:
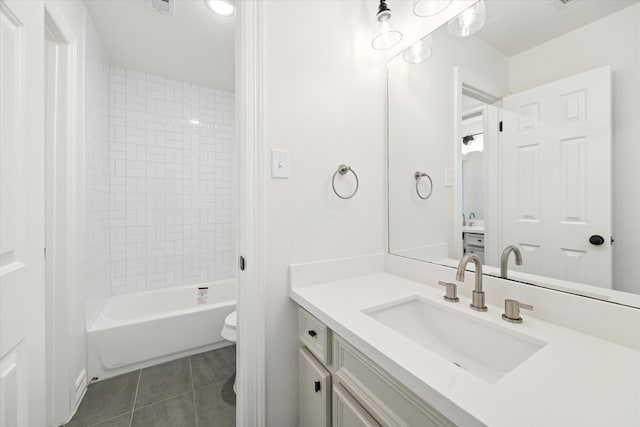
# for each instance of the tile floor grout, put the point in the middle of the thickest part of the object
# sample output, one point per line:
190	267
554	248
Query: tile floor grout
193	390
106	419
135	397
211	370
163	400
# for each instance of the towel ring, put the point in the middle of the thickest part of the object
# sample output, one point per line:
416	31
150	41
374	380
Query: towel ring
342	170
418	175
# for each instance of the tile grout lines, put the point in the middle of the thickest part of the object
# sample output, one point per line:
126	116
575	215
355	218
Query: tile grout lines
135	397
193	390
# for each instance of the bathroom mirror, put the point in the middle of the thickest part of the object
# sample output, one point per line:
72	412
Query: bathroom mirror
522	135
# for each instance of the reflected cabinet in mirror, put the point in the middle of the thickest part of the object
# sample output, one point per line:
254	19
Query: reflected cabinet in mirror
520	142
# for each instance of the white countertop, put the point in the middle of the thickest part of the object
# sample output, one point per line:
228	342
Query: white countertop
575	380
473	229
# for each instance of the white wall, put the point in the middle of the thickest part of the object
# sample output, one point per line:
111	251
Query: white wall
421	136
97	277
324	103
615	41
172	176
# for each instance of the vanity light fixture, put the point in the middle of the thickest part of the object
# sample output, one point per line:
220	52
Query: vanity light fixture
419	52
470	21
221	7
384	34
425	8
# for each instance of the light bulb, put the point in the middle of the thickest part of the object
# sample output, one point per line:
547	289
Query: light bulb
419	52
470	21
221	7
384	36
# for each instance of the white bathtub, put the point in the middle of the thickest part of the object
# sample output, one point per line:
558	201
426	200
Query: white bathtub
138	330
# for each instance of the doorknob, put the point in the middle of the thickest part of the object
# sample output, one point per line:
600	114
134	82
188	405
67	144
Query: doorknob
596	240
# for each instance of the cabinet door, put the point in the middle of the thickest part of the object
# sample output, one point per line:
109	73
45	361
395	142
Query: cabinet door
347	412
315	384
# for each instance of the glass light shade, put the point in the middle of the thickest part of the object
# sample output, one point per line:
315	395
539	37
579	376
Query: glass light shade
419	52
429	7
470	21
384	35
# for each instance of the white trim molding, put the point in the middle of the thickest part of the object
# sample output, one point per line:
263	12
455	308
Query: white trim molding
251	282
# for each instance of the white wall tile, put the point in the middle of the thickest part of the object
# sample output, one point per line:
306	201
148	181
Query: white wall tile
98	164
172	212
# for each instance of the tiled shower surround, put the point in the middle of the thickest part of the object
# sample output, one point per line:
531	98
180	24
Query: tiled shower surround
172	168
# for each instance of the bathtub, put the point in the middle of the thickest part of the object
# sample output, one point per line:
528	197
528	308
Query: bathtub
138	330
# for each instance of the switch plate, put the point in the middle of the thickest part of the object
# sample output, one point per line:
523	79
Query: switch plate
448	177
279	164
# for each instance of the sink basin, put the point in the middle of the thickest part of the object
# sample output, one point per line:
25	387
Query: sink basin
486	350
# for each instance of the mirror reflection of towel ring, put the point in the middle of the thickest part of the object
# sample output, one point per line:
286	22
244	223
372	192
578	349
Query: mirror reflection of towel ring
419	175
342	170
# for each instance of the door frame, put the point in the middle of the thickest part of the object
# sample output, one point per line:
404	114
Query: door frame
467	81
64	308
251	303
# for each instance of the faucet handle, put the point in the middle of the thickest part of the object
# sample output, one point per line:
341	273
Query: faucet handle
451	291
512	310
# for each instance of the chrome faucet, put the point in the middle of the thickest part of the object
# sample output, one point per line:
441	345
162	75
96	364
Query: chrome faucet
477	295
472	216
504	259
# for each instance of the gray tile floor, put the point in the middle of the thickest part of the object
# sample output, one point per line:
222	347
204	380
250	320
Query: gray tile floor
195	391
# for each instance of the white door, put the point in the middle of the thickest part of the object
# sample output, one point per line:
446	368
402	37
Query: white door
22	376
314	393
347	412
556	178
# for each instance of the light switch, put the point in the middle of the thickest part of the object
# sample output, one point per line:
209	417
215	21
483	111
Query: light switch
448	177
279	164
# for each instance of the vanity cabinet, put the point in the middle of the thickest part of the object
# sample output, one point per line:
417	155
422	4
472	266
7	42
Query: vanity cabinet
363	393
314	391
474	244
347	412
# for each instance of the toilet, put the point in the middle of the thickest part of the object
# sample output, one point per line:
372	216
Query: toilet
229	332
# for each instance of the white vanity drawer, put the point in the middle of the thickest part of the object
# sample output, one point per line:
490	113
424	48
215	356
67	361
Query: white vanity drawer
314	335
379	393
474	239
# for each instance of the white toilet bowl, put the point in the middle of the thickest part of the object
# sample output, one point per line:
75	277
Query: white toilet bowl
229	328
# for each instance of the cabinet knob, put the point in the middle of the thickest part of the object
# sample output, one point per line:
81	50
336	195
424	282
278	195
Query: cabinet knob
316	386
312	333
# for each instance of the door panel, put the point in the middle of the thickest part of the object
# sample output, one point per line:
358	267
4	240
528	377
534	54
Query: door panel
315	386
556	177
347	412
21	214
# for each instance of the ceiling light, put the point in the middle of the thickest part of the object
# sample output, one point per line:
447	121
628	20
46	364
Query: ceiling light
429	7
419	52
384	35
470	21
221	7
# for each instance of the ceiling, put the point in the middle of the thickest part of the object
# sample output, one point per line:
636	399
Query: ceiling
194	45
518	25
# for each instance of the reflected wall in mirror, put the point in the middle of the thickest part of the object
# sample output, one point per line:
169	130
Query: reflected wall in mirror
527	129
